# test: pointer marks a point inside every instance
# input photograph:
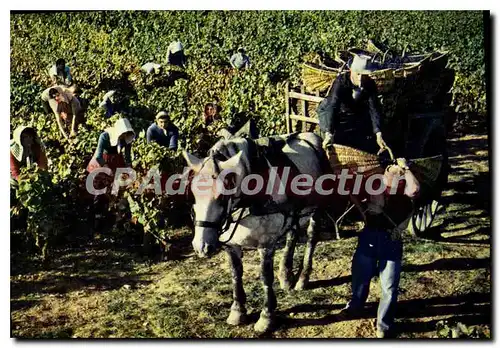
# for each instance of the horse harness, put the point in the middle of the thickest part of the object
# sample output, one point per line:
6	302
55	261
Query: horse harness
263	152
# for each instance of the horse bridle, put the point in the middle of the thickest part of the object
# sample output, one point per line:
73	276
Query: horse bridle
226	219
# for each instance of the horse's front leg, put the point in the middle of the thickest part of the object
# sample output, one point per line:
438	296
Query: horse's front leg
312	240
267	317
238	310
286	265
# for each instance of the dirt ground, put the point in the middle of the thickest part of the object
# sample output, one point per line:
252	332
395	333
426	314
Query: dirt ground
105	292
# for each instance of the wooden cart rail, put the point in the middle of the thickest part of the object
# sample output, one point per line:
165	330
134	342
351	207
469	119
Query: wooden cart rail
304	109
307	122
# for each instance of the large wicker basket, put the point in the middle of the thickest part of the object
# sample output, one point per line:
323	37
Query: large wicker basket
426	170
408	83
346	157
319	77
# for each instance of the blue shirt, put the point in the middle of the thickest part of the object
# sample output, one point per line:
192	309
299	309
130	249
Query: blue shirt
167	137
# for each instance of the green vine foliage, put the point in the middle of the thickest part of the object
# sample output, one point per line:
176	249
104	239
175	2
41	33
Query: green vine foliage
100	46
45	200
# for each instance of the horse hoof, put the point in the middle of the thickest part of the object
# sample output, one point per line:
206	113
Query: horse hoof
236	318
263	325
301	284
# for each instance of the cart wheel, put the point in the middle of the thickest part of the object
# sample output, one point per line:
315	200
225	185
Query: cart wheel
422	218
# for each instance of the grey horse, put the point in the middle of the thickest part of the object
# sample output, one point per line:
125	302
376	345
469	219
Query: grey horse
230	220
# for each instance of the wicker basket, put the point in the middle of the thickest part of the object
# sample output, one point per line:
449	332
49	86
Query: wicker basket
426	170
409	82
317	77
345	157
384	79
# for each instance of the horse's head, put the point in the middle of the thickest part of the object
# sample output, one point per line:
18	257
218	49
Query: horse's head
214	186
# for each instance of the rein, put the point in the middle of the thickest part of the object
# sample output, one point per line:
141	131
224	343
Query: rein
228	223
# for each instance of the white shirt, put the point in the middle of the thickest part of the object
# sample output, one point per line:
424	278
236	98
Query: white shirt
53	72
65	95
239	61
106	97
150	67
175	46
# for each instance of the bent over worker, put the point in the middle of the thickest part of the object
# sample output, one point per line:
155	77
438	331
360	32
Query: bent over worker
66	108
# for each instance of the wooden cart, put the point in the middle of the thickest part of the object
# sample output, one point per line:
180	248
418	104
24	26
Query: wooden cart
418	134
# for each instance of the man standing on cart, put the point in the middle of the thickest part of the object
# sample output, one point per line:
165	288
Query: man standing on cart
354	94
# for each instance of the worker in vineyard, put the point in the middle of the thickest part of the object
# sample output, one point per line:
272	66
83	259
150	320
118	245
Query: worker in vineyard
212	128
66	108
154	76
114	146
26	149
211	114
380	247
119	91
114	102
60	73
150	68
163	131
355	94
175	54
240	60
114	149
206	135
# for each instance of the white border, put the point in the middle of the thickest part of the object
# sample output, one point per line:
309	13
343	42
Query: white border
191	4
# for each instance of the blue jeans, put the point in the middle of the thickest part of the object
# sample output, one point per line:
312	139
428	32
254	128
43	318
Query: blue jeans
377	252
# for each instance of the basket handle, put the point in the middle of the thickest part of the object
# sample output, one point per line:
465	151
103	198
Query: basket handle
383	58
404	51
375	56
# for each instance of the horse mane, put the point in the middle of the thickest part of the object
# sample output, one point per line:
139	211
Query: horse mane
224	149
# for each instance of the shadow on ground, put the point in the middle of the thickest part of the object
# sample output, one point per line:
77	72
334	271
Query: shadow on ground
95	268
472	308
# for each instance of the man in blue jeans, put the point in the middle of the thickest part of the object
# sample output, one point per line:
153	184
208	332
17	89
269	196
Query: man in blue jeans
380	250
377	253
